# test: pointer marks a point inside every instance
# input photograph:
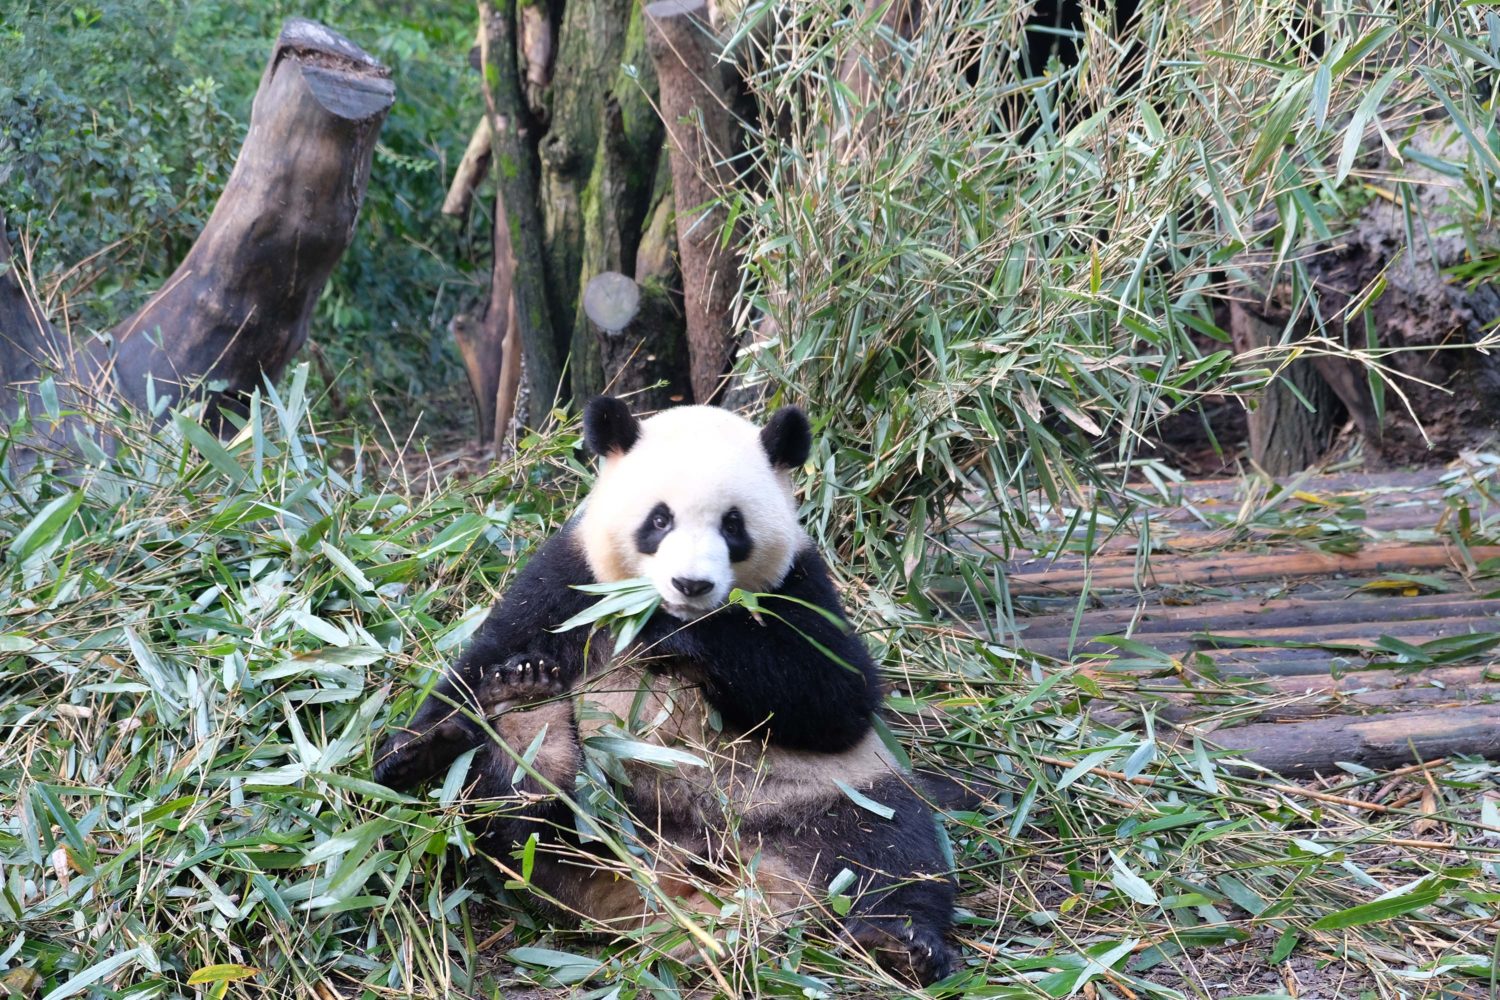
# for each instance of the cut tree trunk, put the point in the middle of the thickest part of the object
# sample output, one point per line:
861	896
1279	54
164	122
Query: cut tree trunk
238	307
695	102
640	341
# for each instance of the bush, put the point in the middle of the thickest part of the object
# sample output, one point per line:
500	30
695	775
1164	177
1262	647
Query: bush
997	279
196	642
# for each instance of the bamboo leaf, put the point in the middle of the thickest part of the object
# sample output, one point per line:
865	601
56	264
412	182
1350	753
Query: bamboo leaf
1398	902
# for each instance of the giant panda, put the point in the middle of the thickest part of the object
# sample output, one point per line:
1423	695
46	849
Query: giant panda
777	704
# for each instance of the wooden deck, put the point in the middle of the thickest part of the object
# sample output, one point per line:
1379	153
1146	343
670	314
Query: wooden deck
1326	619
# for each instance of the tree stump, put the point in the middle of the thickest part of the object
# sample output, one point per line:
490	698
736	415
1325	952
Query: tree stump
640	341
238	307
1369	296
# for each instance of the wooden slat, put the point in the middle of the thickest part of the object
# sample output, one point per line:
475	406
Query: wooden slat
1384	741
1284	613
1349	683
1362	633
1191	535
1389	680
1183	710
1205	571
1292	698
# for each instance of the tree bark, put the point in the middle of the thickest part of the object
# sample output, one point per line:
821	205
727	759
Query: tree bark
238	307
640	341
696	106
470	171
508	391
489	342
656	255
28	343
519	200
598	159
617	199
1295	419
503	331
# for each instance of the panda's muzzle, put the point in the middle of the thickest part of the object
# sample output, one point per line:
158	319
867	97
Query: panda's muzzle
691	588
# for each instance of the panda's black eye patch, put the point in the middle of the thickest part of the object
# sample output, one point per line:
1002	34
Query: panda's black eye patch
732	527
652	530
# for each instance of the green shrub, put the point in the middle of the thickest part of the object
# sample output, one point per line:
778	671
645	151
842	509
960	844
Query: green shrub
997	281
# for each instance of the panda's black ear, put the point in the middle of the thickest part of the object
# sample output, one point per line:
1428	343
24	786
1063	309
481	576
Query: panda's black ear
608	427
787	438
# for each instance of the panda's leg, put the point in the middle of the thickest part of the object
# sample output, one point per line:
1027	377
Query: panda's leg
571	880
527	705
579	884
903	894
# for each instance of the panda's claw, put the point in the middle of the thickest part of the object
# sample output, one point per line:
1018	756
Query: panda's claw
916	953
522	678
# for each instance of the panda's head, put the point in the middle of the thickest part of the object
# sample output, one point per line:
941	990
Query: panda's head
696	499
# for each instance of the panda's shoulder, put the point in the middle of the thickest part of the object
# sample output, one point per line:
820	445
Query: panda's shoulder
559	561
808	574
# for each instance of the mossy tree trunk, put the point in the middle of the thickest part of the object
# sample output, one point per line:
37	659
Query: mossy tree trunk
598	160
587	130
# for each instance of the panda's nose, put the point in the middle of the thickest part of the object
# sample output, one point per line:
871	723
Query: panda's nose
692	588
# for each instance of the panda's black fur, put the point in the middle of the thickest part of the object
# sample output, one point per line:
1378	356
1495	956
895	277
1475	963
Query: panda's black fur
783	702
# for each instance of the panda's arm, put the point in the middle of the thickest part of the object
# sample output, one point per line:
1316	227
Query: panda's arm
543	596
520	624
767	676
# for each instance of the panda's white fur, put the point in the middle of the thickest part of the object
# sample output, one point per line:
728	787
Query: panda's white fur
700	461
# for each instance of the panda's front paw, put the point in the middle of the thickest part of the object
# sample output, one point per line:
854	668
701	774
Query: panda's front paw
913	952
521	679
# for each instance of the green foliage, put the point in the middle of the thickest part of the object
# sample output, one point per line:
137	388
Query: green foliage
199	644
996	282
120	121
197	641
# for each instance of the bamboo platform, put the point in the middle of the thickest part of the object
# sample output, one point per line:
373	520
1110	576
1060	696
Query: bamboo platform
1330	619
